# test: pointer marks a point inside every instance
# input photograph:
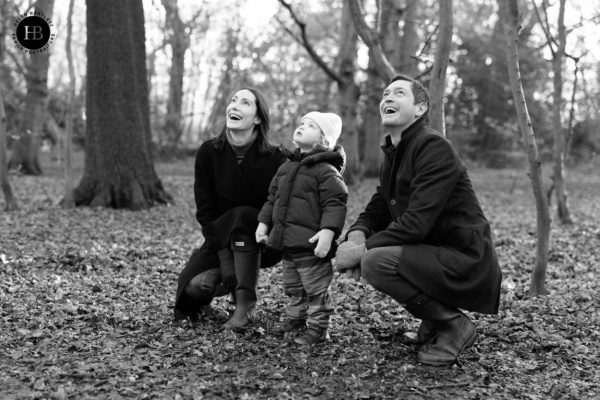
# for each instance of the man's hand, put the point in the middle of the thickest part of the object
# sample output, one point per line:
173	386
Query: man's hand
348	256
357	237
261	233
324	237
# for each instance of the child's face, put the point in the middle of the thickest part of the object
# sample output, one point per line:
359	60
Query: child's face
307	134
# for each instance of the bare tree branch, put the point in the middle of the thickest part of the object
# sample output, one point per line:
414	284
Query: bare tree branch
308	46
18	64
384	68
545	27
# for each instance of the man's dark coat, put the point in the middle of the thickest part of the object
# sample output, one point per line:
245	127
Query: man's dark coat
425	202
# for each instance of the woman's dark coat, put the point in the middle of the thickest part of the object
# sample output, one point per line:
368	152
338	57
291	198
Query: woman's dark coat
307	194
228	196
425	202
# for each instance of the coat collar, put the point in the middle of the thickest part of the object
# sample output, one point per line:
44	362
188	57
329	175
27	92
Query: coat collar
407	135
335	157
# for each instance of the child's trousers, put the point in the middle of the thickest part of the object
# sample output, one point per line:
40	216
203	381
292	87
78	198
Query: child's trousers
306	280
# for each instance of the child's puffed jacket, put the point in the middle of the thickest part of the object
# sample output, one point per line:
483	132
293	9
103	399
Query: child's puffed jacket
307	194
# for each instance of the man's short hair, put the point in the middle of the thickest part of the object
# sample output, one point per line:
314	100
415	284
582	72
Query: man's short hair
419	91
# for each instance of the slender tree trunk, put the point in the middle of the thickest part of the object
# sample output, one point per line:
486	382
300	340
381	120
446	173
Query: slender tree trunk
569	133
389	15
372	127
26	149
409	43
371	39
11	203
119	170
558	175
348	91
348	94
179	41
510	12
224	89
69	201
437	85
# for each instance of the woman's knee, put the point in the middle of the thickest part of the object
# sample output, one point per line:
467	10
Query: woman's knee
203	284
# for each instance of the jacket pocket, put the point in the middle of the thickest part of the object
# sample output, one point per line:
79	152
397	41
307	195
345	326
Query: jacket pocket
460	254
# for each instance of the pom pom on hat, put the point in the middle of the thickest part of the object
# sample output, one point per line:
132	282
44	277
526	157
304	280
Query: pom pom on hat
330	124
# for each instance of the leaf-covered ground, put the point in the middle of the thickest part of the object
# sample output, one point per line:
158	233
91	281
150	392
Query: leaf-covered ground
86	310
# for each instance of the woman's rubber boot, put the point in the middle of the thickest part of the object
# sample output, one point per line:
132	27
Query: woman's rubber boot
454	330
247	266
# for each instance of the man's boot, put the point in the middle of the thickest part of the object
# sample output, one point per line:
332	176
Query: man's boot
454	330
247	265
423	335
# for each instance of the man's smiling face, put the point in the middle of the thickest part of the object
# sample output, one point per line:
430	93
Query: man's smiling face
397	108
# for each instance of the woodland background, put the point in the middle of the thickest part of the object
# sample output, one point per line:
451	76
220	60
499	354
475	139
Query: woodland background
86	293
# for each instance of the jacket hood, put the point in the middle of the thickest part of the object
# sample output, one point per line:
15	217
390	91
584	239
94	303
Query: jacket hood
335	157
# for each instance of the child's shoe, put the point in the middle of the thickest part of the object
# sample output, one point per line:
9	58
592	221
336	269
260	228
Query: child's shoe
313	335
289	325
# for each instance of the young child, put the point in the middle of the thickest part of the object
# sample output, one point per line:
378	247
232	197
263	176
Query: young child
305	212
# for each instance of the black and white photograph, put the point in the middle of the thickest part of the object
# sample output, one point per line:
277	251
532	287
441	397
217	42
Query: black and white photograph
299	199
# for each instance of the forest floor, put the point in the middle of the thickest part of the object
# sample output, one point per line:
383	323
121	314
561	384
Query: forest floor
86	299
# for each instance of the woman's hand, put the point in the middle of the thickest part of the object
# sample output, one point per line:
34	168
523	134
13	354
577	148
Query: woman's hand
324	238
261	233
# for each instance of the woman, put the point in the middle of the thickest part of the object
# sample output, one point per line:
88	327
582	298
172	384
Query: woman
232	176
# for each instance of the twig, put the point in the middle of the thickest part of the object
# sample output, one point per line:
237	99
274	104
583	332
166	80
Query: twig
445	385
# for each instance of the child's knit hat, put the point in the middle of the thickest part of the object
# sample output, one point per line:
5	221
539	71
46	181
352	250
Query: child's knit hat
330	124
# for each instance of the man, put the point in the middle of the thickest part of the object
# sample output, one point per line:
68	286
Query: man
423	238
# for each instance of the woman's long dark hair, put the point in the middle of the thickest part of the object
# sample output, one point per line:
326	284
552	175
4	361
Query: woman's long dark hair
262	111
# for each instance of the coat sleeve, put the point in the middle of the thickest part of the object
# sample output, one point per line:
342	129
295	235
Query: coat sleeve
205	194
375	218
333	196
266	214
437	170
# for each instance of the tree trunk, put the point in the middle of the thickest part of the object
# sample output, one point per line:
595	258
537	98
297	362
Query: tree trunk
384	67
224	89
389	14
119	170
558	175
510	12
25	151
11	204
437	84
409	42
179	41
348	91
348	94
372	128
68	201
569	132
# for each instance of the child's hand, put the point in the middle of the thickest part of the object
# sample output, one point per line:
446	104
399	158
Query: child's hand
261	233
324	237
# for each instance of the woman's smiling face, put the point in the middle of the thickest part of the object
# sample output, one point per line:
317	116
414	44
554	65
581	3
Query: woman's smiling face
241	111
